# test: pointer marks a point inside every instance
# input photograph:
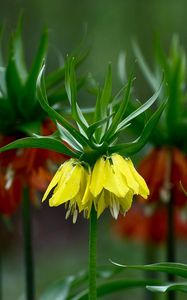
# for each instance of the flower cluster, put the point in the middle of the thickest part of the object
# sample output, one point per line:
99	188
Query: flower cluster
112	182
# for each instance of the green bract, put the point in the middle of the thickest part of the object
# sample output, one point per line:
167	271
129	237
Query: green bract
89	141
172	128
19	107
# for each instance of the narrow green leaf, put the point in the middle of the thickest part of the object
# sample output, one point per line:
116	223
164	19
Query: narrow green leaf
69	139
112	286
42	97
120	111
103	100
44	142
179	287
92	128
3	89
177	269
71	89
131	148
57	76
122	67
18	53
144	66
105	96
59	291
1	37
28	100
141	109
13	78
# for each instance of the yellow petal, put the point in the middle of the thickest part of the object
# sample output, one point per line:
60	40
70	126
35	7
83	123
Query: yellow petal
143	189
114	181
87	195
101	204
68	188
126	202
56	179
97	179
122	165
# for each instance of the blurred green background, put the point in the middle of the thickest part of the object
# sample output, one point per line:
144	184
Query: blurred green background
60	247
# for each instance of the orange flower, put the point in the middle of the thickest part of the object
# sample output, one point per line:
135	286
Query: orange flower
163	169
25	167
152	228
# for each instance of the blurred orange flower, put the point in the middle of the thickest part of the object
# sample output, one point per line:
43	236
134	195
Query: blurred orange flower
163	169
25	167
152	228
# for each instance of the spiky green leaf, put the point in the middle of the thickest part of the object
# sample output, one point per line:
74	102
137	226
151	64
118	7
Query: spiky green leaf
131	148
55	116
44	142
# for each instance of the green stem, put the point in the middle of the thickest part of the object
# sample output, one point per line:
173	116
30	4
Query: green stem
92	255
28	252
171	244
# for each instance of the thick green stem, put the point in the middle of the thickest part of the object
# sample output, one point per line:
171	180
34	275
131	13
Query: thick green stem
28	251
92	255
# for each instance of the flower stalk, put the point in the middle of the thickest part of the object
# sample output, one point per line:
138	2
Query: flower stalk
92	254
28	248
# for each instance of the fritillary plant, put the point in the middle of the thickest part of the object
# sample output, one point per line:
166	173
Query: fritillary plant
100	173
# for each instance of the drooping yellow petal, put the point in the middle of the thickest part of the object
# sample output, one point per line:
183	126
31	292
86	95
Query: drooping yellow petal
114	181
87	194
126	202
143	189
101	203
56	179
121	163
68	188
97	178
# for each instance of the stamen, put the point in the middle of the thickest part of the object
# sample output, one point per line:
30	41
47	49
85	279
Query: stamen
75	215
9	178
116	208
68	213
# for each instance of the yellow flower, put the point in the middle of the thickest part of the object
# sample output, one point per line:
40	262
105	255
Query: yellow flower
69	186
114	181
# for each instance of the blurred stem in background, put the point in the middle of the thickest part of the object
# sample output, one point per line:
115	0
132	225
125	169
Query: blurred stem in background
92	254
150	258
28	249
170	251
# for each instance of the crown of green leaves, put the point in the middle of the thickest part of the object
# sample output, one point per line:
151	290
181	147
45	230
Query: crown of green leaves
172	127
89	141
18	99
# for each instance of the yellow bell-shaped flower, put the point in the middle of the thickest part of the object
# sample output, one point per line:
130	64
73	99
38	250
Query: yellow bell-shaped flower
68	186
114	181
